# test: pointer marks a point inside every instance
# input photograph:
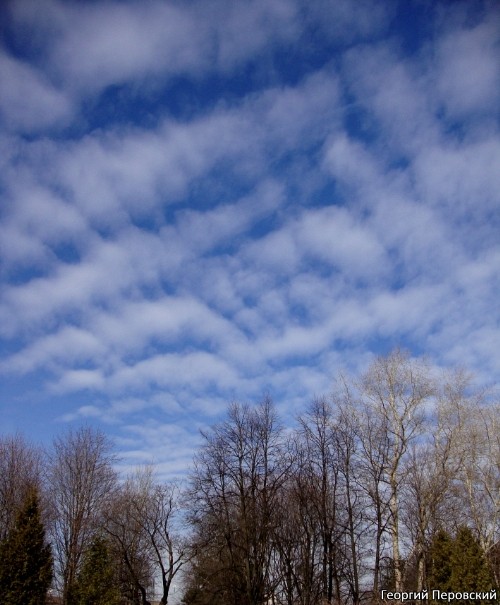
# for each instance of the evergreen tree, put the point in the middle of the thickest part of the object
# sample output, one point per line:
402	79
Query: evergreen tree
96	583
459	564
26	558
470	569
439	570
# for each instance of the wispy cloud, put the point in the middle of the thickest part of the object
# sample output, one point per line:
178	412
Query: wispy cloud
28	101
466	67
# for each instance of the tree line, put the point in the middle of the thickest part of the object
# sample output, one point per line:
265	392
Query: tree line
390	483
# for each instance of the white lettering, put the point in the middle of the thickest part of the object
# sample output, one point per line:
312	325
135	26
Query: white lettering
458	596
440	596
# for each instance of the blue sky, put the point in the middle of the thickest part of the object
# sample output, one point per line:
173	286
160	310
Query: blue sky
207	201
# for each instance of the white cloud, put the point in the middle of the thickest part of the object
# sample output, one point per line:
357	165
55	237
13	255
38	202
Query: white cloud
77	380
330	235
198	369
66	347
107	272
36	221
169	321
92	46
20	249
417	239
148	442
28	101
462	178
334	235
295	115
223	224
108	176
395	94
133	171
276	252
467	68
243	30
480	275
413	310
351	163
89	47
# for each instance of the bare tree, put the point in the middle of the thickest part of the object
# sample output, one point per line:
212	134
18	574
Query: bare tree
323	529
235	486
80	479
321	465
433	467
474	424
397	389
169	547
371	477
130	544
374	445
20	471
352	498
143	523
297	537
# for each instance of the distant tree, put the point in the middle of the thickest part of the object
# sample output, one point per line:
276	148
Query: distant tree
25	558
81	480
97	582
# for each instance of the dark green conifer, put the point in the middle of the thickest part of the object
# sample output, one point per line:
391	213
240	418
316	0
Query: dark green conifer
458	564
96	583
440	562
26	558
470	569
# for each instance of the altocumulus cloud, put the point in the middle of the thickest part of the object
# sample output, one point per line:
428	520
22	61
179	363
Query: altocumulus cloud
208	201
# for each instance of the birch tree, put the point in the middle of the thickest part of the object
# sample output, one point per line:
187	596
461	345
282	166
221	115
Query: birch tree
397	389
